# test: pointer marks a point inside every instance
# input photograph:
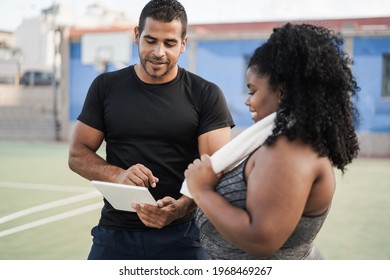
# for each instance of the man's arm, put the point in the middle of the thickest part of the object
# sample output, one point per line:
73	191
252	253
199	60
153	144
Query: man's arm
208	143
84	161
83	158
212	141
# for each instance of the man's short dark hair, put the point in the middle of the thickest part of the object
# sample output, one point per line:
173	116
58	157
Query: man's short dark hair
165	11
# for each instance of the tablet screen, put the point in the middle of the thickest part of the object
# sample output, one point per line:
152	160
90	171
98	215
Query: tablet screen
122	196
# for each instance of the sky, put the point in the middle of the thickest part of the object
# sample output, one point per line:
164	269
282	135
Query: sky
12	12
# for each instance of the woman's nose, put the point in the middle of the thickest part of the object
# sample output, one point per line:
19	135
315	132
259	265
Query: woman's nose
247	101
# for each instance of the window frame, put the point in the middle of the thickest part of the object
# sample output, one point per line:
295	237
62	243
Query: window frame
385	92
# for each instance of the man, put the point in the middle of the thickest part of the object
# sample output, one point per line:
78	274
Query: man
156	118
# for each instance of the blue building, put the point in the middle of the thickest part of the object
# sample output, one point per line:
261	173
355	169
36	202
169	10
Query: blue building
219	52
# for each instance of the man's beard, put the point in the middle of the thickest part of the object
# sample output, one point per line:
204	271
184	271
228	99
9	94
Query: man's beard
154	76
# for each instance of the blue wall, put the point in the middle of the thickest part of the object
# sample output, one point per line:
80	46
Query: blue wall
81	76
374	109
224	63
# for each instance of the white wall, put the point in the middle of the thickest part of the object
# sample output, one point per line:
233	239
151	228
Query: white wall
35	39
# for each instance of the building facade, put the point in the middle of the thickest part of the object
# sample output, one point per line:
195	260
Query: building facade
220	52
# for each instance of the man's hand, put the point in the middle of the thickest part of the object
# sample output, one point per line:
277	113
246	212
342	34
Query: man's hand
137	175
166	211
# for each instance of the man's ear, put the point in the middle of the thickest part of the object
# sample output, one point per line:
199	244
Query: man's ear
136	35
183	45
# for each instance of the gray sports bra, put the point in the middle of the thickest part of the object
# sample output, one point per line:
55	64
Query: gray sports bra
233	188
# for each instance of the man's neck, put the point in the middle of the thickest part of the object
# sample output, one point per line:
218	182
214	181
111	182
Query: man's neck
146	78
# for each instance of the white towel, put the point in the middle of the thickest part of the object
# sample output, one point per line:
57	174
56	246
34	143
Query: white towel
239	147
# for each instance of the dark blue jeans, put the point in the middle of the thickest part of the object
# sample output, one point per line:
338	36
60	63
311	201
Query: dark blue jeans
175	242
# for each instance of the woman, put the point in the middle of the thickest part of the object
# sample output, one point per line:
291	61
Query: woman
273	204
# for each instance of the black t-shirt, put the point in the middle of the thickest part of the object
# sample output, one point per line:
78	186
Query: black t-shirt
156	125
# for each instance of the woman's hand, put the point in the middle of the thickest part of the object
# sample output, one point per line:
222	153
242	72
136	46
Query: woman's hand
200	176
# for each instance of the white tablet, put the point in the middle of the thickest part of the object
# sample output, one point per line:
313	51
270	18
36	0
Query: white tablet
122	196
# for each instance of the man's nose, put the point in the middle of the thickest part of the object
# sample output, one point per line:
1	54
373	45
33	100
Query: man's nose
159	50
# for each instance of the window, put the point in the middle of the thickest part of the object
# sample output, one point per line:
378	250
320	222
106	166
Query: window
36	78
247	57
386	76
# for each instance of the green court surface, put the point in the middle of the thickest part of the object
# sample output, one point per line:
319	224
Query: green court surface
47	211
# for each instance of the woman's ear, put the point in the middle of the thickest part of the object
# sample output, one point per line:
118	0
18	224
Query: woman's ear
280	90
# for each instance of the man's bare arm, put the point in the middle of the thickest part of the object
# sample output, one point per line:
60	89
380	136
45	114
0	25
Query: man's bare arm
83	158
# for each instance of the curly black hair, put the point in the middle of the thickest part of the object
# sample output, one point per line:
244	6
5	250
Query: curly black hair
318	89
165	11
